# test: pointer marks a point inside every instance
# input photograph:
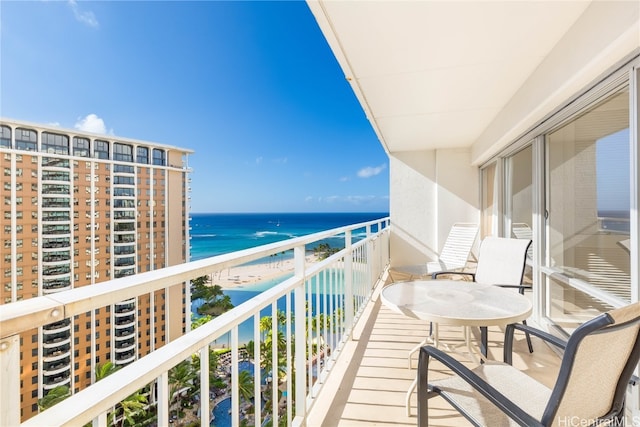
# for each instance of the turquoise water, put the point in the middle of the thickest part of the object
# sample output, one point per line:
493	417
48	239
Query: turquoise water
216	234
221	416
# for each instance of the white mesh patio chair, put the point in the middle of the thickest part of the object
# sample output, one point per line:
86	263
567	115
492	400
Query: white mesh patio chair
597	366
453	257
501	262
522	230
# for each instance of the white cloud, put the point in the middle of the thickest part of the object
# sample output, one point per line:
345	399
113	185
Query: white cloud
344	179
87	18
370	171
92	123
259	160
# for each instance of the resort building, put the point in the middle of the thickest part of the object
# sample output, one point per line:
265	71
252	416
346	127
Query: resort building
79	209
522	117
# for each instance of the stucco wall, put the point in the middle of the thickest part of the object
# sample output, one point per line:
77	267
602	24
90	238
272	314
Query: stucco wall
430	191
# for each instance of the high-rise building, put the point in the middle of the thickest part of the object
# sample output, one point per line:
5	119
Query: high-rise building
79	209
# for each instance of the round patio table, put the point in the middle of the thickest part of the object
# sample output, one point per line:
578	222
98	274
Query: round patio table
455	303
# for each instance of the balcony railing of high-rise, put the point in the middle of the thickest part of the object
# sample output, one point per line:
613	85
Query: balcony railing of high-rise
314	310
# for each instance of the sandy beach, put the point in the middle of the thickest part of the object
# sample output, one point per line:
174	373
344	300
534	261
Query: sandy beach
235	277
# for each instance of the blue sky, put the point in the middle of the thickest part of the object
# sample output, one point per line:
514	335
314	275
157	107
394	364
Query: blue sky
251	87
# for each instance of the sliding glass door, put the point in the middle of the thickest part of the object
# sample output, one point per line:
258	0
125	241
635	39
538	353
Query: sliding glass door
518	200
586	265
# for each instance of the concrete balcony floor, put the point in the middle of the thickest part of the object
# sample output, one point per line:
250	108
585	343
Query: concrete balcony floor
370	379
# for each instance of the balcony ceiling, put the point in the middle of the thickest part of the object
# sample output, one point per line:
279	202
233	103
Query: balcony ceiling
435	74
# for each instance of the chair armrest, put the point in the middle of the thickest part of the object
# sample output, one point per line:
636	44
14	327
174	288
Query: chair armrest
508	339
520	288
551	339
438	273
501	401
516	286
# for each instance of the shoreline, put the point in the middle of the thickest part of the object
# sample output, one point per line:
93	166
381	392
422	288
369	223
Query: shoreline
250	274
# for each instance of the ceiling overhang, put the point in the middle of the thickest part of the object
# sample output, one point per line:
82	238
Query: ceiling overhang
436	74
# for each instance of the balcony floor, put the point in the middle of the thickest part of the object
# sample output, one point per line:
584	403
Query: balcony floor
370	379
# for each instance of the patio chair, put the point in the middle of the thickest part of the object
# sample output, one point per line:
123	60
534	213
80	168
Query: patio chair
626	245
454	254
501	262
598	363
522	230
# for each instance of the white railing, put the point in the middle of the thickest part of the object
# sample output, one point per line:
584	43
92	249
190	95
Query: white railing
331	294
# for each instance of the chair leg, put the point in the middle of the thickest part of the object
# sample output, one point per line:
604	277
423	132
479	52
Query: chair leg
526	334
484	338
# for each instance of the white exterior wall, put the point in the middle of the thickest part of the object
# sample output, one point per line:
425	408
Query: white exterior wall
430	191
605	34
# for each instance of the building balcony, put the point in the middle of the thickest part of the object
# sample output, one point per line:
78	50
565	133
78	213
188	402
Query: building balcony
125	345
56	341
57	327
123	322
55	243
125	358
58	272
55	289
56	352
53	259
56	368
123	311
123	333
49	383
353	270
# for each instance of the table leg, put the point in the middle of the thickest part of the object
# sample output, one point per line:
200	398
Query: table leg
431	339
412	387
435	340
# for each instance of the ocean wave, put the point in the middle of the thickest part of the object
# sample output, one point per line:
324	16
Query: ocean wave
196	236
266	233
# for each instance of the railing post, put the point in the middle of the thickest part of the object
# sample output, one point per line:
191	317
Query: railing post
204	387
300	337
10	381
235	373
164	399
371	263
348	283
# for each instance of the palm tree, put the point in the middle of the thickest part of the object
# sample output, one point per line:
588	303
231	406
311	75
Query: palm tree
214	380
250	348
245	385
181	379
266	355
200	281
131	407
196	323
266	322
54	396
134	405
105	369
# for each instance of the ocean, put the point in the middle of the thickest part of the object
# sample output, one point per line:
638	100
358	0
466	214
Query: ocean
217	234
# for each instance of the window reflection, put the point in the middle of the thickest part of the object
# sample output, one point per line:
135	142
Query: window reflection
588	204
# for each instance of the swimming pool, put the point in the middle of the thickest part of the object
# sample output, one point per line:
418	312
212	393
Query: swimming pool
221	413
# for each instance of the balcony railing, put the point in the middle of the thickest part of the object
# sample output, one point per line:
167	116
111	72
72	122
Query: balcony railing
322	302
